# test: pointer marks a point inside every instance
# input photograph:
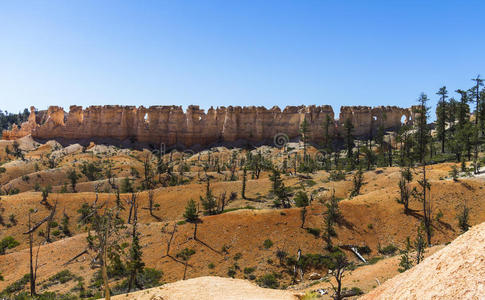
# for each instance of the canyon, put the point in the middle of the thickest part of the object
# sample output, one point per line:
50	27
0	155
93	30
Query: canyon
171	126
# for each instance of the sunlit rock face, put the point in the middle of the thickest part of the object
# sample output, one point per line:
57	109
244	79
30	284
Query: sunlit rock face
173	126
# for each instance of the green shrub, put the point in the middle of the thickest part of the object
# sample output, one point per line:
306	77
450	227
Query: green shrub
336	176
388	250
91	170
147	279
267	243
249	270
12	219
315	261
17	286
231	272
357	291
126	186
301	199
61	277
13	191
454	173
8	243
268	281
374	259
211	266
225	249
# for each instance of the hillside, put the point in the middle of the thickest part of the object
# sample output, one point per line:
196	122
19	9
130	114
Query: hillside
454	272
242	242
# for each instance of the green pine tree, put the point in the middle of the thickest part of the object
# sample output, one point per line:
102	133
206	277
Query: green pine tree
405	262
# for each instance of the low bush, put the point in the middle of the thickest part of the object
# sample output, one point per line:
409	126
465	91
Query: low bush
8	243
147	279
15	287
268	281
267	243
388	250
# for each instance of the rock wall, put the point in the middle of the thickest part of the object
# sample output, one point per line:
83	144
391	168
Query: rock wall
194	127
24	130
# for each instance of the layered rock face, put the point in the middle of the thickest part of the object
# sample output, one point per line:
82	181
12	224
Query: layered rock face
172	126
24	130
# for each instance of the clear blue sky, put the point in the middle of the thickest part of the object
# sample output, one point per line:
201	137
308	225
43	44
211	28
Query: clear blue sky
214	53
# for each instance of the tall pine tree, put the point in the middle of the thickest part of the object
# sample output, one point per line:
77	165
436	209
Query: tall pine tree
422	137
441	117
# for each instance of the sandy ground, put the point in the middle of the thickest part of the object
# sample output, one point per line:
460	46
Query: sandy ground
210	288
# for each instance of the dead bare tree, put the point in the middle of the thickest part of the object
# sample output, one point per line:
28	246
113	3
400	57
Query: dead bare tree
106	229
49	222
148	172
151	194
33	267
223	201
131	201
340	264
135	265
169	242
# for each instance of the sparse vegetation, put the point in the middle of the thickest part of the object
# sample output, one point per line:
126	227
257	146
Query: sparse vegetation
269	280
267	243
151	187
388	250
358	182
8	242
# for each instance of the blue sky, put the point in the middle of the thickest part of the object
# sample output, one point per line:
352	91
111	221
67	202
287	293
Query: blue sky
213	53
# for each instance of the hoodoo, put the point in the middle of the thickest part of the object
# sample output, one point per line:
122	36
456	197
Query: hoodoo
195	127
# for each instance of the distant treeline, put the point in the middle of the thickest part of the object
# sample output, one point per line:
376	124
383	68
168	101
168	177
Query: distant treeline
8	119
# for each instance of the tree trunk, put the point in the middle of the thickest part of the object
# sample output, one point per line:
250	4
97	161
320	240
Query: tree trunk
338	293
131	210
31	275
104	270
390	155
303	217
427	217
48	232
185	269
195	230
171	238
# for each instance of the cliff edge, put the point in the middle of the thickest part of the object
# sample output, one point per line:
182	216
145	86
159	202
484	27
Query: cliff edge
172	126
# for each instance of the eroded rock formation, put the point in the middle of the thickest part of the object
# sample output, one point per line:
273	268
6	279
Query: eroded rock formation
172	126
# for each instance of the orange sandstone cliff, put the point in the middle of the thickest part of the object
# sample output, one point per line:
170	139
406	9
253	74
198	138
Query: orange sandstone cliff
172	126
